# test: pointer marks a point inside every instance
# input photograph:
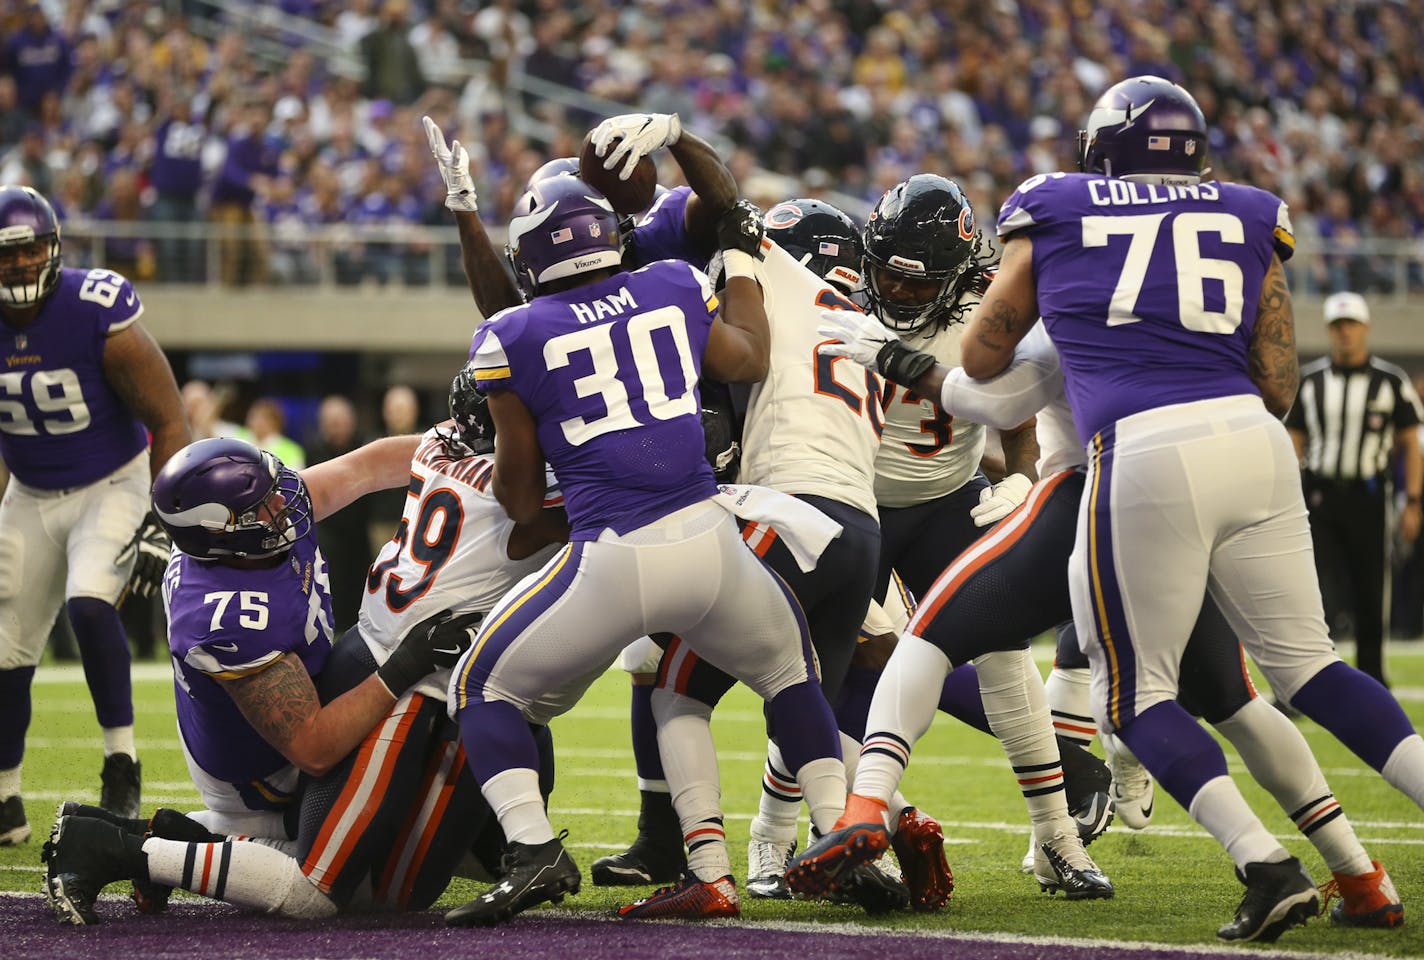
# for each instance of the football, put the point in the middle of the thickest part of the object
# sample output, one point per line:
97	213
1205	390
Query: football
633	195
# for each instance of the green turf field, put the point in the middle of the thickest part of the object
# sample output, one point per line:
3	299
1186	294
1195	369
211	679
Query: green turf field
1174	884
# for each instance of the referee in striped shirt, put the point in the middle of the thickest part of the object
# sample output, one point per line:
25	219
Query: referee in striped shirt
1354	414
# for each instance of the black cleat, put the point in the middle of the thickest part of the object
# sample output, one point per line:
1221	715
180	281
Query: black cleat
878	891
642	864
71	808
533	873
1086	782
119	785
14	828
1278	896
656	856
82	856
1061	863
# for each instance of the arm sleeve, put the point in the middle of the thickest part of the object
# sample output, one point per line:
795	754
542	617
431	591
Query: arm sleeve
1030	383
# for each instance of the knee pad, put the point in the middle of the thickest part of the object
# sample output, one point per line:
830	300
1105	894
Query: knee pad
641	656
12	561
305	902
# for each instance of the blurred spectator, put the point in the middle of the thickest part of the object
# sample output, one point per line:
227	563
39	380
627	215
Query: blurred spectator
12	120
264	426
132	256
392	67
38	57
246	173
400	415
176	175
26	163
343	536
203	406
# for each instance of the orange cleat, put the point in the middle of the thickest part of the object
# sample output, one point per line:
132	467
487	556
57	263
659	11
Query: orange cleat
1367	900
919	846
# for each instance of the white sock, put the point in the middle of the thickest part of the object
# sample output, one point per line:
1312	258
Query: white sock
1017	709
1070	702
119	740
780	802
1404	770
823	784
904	705
9	782
1276	754
248	874
1219	807
514	797
690	765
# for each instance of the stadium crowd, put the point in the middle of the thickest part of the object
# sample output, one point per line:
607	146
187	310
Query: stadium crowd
127	110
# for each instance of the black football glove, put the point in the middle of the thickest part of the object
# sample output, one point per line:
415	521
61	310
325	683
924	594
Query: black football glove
435	643
742	228
148	549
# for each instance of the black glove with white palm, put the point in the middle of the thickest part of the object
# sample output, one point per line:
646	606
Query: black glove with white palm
864	339
148	549
454	164
636	135
435	643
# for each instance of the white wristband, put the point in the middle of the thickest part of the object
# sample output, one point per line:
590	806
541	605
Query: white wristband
739	263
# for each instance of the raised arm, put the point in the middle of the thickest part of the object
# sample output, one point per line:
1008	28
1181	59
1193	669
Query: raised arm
1274	366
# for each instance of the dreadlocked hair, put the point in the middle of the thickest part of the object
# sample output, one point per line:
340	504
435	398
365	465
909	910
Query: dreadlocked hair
974	281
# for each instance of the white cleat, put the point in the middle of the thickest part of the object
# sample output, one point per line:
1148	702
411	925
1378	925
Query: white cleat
1132	790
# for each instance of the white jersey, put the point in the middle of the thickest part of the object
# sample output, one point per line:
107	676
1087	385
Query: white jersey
451	550
1031	384
813	425
926	453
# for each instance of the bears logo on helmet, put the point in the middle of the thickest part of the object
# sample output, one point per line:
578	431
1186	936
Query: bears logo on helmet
821	237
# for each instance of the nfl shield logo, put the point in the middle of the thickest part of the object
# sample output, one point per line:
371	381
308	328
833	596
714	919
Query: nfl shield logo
594	230
21	341
1190	147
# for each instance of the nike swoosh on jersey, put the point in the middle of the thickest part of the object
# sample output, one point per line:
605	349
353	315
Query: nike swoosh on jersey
131	299
227	647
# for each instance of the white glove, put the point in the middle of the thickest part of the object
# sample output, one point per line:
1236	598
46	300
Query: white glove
638	134
859	336
999	501
454	164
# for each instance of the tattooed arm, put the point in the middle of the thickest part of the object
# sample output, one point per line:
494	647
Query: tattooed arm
1005	316
1021	448
1275	368
281	703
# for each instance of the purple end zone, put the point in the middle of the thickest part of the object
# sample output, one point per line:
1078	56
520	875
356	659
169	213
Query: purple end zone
27	930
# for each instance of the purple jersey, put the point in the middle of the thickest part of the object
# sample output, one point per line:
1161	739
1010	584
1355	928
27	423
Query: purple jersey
226	622
61	424
609	371
1149	292
662	233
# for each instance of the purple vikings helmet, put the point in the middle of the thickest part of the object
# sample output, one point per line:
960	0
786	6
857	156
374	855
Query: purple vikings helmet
210	498
29	247
558	167
821	238
562	227
1145	127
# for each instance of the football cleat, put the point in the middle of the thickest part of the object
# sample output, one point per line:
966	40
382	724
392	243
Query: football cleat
1279	896
919	846
1086	781
82	856
877	887
533	873
119	785
688	899
766	868
638	866
1132	791
1061	863
656	856
825	864
14	828
1367	900
168	824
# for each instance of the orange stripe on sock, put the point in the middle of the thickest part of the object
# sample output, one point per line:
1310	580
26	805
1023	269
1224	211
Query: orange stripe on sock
207	868
1024	782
